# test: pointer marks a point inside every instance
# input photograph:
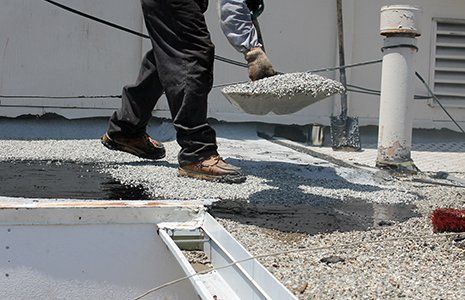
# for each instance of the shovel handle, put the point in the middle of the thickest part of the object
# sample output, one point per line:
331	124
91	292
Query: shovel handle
342	72
256	24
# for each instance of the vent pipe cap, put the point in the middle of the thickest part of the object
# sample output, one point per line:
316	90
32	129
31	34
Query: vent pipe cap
400	20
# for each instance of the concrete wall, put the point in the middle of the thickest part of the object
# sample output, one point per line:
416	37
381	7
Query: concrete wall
46	51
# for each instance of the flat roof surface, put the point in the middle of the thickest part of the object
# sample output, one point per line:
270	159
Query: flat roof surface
291	200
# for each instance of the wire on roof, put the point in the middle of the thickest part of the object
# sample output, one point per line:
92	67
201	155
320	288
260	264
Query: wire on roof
430	91
350	88
133	32
217	57
364	90
301	250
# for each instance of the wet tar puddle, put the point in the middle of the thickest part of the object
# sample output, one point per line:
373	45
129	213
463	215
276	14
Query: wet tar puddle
62	180
68	180
313	219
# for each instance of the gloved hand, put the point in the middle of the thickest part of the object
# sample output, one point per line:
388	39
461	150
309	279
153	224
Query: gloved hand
259	65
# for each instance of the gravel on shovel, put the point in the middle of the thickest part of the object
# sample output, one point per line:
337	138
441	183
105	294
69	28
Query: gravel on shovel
282	94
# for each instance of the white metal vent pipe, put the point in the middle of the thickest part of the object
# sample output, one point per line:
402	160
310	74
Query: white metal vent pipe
399	25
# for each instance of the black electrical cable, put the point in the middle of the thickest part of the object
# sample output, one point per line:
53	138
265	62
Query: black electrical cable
419	97
352	88
430	91
89	97
122	28
125	29
364	90
93	18
370	62
231	61
217	57
57	97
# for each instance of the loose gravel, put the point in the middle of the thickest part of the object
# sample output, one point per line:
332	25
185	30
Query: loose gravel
420	269
286	86
276	175
417	269
281	94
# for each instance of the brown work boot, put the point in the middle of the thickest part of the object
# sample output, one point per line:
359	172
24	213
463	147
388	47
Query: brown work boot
259	65
213	169
143	147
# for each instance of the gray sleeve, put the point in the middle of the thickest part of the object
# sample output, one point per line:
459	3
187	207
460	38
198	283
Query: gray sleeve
237	26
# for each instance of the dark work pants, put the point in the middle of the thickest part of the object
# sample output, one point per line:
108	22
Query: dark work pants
181	65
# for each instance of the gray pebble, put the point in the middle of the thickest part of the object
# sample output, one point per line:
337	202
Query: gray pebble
332	260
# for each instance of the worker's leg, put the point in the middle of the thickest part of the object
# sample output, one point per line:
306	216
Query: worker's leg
184	56
126	129
138	102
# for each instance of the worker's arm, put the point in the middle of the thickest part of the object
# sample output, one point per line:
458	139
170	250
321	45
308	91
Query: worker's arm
236	22
237	25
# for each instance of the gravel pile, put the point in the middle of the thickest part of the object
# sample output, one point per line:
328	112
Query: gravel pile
282	94
276	175
419	269
286	86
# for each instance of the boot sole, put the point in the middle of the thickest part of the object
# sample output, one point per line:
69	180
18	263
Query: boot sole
112	145
231	179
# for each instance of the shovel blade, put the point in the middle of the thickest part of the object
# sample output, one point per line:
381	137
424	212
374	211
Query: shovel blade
345	134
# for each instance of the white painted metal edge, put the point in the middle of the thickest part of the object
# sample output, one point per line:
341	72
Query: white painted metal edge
18	202
244	282
258	275
247	280
218	287
14	211
200	288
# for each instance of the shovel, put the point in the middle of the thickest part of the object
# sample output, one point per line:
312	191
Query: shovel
345	132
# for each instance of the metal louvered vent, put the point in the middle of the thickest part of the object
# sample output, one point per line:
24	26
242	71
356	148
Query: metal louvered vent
449	62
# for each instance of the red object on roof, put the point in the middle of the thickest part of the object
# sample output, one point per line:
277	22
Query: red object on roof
448	220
